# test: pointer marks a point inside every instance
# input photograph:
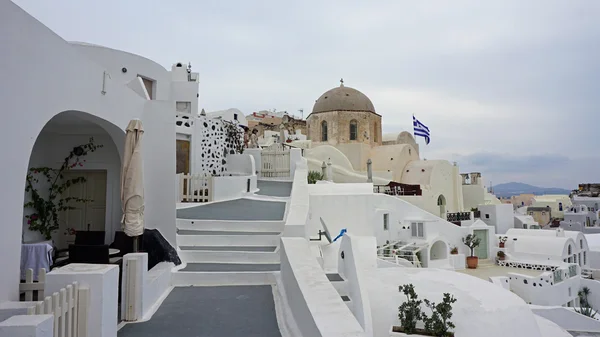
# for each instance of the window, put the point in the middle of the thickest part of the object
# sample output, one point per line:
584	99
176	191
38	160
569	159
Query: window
149	85
569	250
487	216
235	117
569	292
183	107
417	229
386	222
584	259
375	132
581	244
560	207
323	131
353	130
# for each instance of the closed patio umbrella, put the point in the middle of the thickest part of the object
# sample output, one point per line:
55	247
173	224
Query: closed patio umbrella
132	182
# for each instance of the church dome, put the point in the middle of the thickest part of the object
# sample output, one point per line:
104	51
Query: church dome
343	99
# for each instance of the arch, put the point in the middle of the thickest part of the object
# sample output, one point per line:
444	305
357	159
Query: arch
353	129
439	250
61	134
324	131
441	202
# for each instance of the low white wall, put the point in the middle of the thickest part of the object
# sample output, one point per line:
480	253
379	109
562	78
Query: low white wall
297	216
256	154
149	285
233	187
28	326
242	164
158	281
501	281
315	305
359	256
295	156
567	318
541	290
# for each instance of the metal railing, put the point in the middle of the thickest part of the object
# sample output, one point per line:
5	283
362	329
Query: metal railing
395	190
458	216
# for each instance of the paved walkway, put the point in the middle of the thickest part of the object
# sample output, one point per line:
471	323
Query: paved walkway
239	209
245	311
274	188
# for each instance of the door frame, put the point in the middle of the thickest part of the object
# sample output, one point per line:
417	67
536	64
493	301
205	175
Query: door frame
484	240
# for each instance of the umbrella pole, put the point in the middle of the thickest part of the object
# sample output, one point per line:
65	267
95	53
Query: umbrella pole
135	244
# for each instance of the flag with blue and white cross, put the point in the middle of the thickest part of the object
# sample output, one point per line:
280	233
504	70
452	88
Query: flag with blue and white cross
421	130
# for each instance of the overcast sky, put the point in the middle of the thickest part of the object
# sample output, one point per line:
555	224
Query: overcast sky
508	88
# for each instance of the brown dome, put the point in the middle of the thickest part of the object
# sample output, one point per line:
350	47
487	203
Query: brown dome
343	99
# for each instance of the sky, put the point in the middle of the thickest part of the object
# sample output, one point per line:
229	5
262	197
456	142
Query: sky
507	88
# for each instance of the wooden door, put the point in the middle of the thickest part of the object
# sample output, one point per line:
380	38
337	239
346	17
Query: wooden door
481	251
183	156
93	212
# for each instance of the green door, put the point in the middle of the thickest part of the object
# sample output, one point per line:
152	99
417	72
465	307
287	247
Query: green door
482	250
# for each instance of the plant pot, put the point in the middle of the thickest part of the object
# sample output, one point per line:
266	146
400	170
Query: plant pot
501	245
472	262
454	253
501	258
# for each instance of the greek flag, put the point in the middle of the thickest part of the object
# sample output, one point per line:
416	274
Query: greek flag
421	130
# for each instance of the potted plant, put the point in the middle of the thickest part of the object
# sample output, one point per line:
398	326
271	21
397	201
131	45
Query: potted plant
501	256
410	313
472	242
454	251
502	241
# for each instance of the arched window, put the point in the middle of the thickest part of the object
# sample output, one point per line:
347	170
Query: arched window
353	130
569	250
375	132
560	208
324	131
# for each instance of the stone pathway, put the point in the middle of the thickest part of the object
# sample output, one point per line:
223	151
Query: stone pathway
245	311
274	188
239	209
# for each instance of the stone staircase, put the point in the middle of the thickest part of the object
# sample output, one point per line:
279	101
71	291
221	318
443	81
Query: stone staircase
223	252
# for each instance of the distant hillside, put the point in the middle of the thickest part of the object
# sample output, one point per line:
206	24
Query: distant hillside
510	189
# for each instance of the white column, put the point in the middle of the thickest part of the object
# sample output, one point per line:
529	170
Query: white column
369	171
329	170
324	171
103	284
135	272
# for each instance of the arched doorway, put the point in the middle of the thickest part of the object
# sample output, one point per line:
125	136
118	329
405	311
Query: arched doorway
441	202
439	251
87	148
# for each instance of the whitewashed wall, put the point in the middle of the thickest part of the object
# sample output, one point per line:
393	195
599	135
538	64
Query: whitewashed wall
542	290
66	80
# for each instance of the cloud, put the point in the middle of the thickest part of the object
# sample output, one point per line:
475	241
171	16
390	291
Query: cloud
516	80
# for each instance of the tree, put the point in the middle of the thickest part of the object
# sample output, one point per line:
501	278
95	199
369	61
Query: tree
439	324
472	242
46	209
584	306
314	176
409	312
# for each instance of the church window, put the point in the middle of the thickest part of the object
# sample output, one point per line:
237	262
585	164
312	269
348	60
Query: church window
375	132
353	130
324	131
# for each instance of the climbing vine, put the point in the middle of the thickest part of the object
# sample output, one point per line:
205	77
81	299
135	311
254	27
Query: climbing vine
46	208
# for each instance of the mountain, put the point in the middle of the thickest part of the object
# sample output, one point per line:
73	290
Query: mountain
510	189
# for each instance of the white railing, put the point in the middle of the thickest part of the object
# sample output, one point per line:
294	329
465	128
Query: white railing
275	161
69	306
194	187
29	287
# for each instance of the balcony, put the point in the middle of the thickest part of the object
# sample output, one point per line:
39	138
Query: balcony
398	189
458	216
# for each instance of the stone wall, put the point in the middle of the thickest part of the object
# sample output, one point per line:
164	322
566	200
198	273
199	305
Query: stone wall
338	127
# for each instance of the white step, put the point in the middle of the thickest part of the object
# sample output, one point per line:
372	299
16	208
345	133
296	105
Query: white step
188	256
228	240
222	225
185	279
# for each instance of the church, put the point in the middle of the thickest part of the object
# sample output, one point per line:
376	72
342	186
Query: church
345	129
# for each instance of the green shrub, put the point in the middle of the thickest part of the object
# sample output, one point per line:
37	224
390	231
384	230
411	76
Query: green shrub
438	324
314	176
409	312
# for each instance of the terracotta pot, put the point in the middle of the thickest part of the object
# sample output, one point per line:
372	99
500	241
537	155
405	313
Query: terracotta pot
454	253
501	245
472	262
501	258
